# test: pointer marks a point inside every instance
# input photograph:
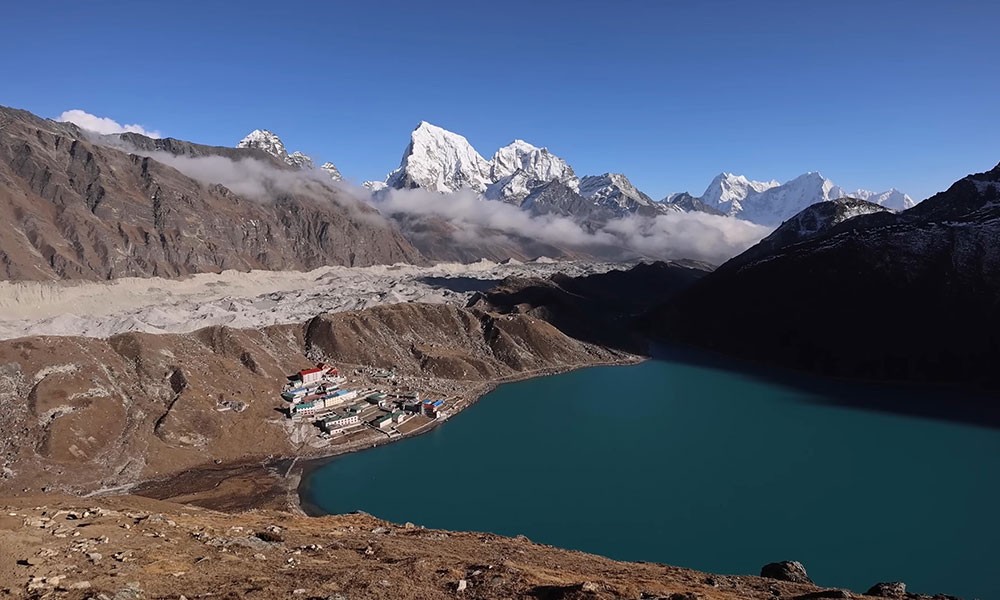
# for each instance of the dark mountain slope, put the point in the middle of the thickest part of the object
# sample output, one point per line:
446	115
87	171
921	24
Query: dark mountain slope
913	296
74	209
600	308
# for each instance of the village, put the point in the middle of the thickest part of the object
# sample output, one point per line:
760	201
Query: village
346	408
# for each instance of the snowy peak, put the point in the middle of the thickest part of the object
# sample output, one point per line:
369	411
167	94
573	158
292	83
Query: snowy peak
262	139
300	161
535	163
727	191
331	169
438	160
519	168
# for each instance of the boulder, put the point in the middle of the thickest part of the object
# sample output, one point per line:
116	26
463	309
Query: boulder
786	570
888	589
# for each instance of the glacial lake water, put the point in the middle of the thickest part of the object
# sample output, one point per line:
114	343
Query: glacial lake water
699	465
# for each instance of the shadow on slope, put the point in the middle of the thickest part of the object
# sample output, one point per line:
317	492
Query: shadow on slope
601	308
911	297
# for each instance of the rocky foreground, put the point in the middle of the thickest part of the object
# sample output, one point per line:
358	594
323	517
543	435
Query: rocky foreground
128	547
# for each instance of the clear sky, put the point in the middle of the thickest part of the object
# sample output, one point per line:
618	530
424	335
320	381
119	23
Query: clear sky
873	94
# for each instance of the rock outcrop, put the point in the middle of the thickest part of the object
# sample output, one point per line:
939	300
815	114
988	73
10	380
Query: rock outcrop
786	570
888	589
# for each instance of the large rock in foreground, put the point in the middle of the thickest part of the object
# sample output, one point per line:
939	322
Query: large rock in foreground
786	570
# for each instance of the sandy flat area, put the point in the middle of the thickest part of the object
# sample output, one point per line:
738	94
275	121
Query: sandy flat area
246	300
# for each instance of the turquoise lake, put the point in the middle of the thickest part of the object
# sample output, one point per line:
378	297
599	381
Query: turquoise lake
703	466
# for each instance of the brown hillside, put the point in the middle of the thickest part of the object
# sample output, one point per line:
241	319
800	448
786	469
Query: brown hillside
74	210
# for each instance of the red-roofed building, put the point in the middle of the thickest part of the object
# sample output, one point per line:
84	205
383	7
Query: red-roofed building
311	375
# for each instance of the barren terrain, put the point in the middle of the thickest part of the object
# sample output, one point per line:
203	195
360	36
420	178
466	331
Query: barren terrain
130	547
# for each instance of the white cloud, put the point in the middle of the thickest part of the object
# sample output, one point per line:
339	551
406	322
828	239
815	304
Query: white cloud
258	180
103	125
698	236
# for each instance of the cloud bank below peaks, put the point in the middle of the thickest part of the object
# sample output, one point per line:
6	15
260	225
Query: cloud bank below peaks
103	125
672	236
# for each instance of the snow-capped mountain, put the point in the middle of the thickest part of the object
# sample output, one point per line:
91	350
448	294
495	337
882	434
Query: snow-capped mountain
440	161
615	192
332	171
771	203
518	168
299	160
262	139
727	191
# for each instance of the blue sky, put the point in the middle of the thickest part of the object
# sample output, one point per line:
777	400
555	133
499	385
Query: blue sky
873	94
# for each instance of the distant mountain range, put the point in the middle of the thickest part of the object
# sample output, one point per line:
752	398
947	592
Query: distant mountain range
537	180
770	202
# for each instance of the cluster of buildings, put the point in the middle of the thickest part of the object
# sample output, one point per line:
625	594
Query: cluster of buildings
318	393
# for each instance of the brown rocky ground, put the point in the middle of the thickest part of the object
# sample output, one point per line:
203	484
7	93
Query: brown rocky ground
85	414
128	547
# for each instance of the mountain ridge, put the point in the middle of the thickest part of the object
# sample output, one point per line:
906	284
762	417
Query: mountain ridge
771	203
804	300
83	206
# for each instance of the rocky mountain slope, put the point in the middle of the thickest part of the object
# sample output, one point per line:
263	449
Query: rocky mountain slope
77	209
133	547
911	296
770	202
689	203
601	308
615	192
811	222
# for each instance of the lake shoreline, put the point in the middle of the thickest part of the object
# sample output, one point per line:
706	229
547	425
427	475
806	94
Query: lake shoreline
278	482
299	475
